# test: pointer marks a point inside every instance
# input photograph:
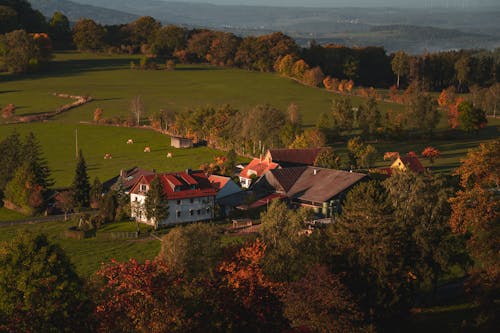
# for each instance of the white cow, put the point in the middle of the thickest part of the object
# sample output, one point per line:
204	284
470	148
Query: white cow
147	149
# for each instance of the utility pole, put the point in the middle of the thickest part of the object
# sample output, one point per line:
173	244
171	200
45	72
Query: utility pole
76	143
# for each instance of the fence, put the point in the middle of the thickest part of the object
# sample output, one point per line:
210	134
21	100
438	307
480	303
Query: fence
117	235
33	220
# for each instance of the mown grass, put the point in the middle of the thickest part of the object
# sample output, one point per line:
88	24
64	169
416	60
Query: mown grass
112	83
87	255
10	215
58	144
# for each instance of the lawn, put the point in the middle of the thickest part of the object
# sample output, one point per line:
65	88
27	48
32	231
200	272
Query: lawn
10	215
112	83
58	143
88	254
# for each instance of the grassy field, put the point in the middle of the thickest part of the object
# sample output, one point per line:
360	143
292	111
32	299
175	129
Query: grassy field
10	215
58	142
88	254
112	83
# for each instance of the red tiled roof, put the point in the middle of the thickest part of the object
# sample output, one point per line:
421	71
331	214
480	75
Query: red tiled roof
412	163
305	156
180	185
259	167
218	182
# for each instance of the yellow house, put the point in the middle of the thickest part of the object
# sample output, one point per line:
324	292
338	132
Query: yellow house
405	163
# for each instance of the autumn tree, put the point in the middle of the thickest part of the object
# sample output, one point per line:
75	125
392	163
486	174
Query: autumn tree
156	203
250	301
299	68
17	51
81	185
137	109
11	152
369	118
284	65
8	111
19	189
139	297
95	193
471	118
342	112
40	290
97	115
431	154
60	31
167	40
421	112
462	70
143	30
313	77
88	35
182	246
320	302
400	65
65	201
327	159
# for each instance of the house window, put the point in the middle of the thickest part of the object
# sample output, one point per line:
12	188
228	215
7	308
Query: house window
208	210
178	213
198	211
191	200
191	212
144	188
178	202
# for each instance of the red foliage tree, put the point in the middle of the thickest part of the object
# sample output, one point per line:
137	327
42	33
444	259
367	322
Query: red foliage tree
139	297
431	153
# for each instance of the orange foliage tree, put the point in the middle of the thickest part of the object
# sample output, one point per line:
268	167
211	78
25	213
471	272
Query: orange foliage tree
475	208
431	153
391	155
98	115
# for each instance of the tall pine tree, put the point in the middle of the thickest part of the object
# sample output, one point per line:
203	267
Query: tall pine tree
81	184
32	155
156	203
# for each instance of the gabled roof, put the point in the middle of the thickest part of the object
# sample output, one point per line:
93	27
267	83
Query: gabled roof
320	185
258	167
218	182
305	156
412	163
129	178
283	179
180	185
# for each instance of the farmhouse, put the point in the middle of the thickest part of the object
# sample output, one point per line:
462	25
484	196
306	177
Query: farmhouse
127	178
255	169
190	195
408	162
320	189
293	157
229	194
180	142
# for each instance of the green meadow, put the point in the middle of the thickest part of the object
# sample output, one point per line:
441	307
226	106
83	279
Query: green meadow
113	84
88	254
59	145
109	79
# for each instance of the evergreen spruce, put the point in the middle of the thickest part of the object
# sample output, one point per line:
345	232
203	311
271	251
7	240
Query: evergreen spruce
156	204
32	155
81	184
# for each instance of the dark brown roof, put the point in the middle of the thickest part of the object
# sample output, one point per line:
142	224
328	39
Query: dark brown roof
322	184
295	156
283	179
129	178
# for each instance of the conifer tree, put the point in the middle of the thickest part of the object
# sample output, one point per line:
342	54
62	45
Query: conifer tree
81	185
32	155
156	203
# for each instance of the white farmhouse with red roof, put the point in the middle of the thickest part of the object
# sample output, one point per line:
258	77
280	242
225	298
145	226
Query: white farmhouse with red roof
255	170
190	195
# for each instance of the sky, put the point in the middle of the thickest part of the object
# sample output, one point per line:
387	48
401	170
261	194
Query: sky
356	3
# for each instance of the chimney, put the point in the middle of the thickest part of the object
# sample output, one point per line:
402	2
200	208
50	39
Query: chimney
123	173
315	172
189	171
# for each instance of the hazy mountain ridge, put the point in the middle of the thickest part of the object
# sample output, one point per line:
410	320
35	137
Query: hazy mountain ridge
75	11
476	28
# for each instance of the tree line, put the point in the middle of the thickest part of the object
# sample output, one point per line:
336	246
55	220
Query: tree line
363	66
388	252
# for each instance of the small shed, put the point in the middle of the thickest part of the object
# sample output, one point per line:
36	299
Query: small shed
180	142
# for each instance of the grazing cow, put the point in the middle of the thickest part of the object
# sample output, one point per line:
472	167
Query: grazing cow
107	156
130	141
169	155
147	149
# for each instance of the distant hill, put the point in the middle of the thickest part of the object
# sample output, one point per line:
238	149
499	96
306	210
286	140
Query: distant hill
75	11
